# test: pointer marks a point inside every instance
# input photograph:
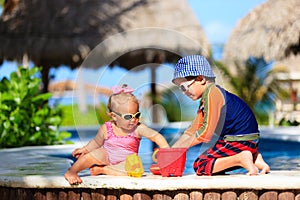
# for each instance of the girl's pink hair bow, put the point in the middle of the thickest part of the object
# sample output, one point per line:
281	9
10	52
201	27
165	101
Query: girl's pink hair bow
124	88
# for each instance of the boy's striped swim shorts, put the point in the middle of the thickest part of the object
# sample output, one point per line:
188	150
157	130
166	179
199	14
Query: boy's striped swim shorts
204	164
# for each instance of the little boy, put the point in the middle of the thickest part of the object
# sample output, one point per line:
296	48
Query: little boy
221	113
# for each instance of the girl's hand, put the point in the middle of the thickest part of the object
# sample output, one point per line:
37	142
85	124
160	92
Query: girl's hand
79	152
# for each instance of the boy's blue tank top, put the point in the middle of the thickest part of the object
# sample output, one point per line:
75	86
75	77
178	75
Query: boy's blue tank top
239	118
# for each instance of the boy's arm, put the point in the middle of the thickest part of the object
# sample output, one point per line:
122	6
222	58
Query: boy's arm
205	123
152	135
211	115
186	140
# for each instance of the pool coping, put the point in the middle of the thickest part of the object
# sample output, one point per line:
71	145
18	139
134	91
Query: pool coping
277	180
18	169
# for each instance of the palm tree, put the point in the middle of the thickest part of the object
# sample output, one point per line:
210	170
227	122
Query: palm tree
255	82
169	100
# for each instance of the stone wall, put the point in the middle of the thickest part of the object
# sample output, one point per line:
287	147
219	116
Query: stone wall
10	193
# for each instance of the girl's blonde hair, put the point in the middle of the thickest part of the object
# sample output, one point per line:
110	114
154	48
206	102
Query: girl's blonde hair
116	100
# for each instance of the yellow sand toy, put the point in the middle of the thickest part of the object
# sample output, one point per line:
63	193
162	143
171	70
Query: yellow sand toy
134	166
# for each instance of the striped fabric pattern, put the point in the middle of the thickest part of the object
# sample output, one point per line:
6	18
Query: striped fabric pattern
204	164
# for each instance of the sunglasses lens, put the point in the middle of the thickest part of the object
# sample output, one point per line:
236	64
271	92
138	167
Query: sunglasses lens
185	86
127	117
182	87
130	116
137	115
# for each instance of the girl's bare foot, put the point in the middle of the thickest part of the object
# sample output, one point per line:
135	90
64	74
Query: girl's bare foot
115	170
246	161
96	170
72	177
261	164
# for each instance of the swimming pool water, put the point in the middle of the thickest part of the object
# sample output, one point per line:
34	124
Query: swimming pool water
279	154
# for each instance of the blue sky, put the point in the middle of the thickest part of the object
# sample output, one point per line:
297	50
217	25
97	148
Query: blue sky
217	18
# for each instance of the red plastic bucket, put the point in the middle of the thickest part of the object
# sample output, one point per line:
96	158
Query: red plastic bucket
171	161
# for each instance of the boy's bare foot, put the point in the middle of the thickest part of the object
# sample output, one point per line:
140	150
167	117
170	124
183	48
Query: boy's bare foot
243	159
261	164
72	177
246	161
96	170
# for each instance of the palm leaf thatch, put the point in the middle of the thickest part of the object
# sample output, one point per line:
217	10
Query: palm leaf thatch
63	32
58	88
271	31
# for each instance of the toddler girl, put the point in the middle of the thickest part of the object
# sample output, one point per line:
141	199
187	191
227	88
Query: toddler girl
115	140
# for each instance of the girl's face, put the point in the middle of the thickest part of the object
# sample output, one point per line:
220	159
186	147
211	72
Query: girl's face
122	114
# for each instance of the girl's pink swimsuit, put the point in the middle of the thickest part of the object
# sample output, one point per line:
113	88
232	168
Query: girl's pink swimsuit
119	147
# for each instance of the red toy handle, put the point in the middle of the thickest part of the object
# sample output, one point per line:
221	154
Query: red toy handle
154	155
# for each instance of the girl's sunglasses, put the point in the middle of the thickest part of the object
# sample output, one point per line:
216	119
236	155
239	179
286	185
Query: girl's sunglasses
186	85
128	116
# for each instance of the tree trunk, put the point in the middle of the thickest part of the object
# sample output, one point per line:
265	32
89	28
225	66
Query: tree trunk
45	78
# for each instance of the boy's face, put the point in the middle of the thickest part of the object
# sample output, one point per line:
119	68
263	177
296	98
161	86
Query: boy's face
192	87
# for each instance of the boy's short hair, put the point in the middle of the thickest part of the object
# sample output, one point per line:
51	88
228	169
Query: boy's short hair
193	65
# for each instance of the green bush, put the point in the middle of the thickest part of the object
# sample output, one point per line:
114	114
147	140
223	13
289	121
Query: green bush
25	116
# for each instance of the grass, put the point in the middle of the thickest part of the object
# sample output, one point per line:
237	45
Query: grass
72	116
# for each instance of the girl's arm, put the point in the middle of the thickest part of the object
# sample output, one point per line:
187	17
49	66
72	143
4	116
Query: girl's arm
97	141
152	135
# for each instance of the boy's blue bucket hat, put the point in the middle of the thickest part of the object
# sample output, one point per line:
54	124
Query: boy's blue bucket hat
193	65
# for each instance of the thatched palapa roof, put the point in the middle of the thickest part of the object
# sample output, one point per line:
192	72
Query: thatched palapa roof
63	32
271	30
53	33
58	88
